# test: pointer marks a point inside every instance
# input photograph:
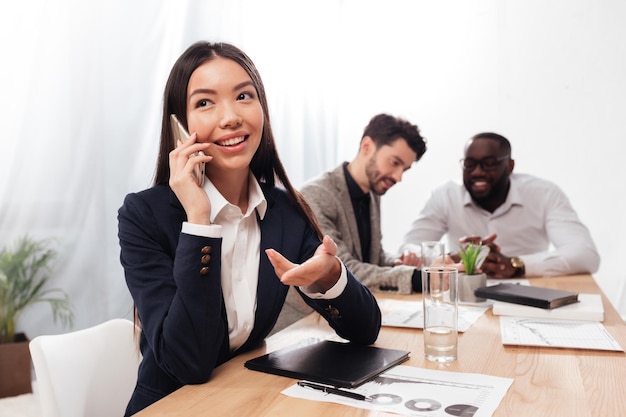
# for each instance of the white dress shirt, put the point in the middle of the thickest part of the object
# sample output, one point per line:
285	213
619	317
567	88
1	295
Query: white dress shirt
241	251
536	223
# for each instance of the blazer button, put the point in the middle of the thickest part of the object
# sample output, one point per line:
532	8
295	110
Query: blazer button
333	311
204	270
206	250
206	259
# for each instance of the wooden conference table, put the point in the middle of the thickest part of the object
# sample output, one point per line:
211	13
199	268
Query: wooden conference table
547	381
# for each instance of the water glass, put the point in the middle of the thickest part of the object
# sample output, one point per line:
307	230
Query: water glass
441	310
432	253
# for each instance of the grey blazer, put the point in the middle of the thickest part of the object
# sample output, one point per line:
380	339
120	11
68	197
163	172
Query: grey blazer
330	200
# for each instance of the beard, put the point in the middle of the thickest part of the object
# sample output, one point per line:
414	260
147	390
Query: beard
497	190
377	183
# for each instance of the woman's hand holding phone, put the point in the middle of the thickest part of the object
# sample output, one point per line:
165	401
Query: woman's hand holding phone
182	136
186	176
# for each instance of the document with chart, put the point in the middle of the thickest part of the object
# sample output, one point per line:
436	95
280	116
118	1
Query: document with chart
413	391
411	314
527	331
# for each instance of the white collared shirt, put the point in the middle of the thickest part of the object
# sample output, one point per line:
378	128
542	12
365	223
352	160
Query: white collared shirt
241	249
536	222
241	246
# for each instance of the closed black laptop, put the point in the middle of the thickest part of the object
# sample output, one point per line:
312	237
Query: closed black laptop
344	365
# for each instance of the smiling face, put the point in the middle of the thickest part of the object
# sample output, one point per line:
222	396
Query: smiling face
385	166
223	108
488	187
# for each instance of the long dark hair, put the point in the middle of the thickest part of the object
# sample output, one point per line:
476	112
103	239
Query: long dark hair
265	165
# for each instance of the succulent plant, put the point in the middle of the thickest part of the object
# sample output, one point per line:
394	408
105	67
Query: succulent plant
472	256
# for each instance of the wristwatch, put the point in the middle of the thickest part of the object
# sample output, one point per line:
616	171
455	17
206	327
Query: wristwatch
518	266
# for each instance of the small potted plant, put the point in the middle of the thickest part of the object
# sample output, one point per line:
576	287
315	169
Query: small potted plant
24	272
472	256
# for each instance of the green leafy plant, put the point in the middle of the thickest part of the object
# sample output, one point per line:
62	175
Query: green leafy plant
472	256
24	271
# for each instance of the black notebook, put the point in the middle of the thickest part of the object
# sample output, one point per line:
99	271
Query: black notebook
528	295
344	365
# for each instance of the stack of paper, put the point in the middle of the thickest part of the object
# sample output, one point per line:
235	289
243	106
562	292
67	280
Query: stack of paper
573	334
410	314
588	308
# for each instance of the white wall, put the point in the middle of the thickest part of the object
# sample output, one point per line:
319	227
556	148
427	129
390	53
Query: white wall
547	75
82	84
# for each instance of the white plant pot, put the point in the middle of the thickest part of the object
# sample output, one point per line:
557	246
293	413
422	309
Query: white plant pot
467	285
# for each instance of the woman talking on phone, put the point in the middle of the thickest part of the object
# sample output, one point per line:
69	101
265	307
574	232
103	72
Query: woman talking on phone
208	263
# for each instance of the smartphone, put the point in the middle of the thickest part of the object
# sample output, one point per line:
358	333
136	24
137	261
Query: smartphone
181	134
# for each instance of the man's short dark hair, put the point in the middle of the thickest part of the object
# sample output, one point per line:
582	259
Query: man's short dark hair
505	145
385	129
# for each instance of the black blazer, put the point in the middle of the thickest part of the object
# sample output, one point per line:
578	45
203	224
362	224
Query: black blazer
184	325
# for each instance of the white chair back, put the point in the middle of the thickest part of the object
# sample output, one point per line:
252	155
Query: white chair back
87	373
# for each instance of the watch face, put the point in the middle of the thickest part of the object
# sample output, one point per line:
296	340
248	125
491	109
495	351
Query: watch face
518	267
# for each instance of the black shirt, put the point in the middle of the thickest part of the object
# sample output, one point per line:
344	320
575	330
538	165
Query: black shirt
361	206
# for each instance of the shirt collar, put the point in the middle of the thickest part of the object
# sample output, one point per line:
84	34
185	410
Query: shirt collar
256	198
514	198
353	188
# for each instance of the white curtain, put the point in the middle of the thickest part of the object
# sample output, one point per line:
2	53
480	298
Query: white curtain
81	86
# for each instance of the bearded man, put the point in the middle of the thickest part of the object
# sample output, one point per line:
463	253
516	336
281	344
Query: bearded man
346	202
527	221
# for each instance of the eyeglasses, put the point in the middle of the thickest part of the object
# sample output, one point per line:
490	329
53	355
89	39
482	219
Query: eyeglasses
487	164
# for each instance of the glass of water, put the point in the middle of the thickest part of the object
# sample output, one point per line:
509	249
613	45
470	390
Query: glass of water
432	253
441	310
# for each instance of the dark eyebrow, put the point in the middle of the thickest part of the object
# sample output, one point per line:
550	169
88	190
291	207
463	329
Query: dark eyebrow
210	91
201	91
243	84
399	160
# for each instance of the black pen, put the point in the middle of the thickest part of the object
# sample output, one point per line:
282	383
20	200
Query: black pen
333	390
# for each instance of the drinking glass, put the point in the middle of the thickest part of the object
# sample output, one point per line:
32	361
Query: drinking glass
440	302
432	253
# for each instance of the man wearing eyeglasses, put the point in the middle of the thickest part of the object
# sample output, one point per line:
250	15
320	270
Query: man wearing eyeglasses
528	222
